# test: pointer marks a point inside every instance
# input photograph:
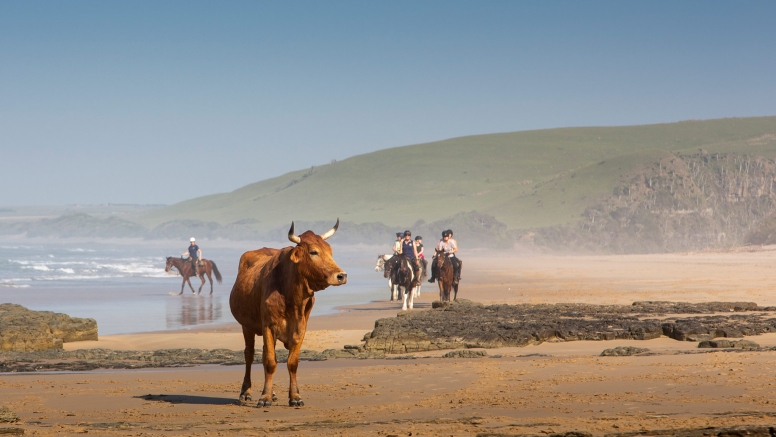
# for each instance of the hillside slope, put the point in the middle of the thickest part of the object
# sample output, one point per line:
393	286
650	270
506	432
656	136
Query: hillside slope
525	180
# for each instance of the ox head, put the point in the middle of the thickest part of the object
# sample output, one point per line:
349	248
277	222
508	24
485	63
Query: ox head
314	260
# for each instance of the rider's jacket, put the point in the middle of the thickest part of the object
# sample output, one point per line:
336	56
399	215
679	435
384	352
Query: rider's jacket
408	249
448	247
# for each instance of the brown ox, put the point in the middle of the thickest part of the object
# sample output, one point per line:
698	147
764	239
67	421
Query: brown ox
273	296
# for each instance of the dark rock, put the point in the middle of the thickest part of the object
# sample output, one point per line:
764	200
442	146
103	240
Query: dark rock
12	431
7	416
464	324
725	344
623	351
735	431
25	330
466	353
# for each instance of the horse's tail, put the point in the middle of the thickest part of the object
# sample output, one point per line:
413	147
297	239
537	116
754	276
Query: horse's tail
216	272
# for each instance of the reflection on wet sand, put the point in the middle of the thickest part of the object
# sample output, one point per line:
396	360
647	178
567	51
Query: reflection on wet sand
193	310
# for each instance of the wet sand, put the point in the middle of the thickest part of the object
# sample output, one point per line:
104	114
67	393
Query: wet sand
546	388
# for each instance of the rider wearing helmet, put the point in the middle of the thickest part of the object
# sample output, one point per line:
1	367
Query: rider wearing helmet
419	248
195	255
450	247
457	263
397	243
409	250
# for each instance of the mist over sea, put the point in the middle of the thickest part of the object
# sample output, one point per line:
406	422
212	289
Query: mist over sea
124	287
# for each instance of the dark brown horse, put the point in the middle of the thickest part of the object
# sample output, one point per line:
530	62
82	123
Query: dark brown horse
187	271
445	277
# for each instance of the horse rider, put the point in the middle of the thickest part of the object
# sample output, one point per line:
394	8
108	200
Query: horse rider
450	247
195	255
409	250
457	263
397	243
419	248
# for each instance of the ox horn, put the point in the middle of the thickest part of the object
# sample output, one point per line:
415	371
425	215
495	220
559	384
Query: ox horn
292	237
331	231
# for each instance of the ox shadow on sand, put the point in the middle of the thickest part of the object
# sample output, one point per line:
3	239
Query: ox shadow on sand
188	399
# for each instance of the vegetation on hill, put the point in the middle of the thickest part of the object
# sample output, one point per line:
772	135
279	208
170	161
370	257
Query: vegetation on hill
509	176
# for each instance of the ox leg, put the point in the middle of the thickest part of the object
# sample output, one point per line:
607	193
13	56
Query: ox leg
294	398
270	365
250	344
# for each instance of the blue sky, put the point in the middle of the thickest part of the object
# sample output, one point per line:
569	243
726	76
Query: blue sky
157	102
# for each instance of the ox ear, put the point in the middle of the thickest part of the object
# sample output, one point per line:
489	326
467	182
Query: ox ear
296	254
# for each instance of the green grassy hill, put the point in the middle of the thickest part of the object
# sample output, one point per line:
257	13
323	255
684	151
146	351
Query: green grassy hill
525	180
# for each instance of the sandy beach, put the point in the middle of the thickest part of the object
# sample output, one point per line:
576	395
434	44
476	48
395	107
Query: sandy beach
548	388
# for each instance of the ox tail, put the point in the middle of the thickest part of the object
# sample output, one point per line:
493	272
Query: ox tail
216	272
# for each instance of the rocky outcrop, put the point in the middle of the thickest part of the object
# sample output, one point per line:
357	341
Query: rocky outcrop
91	359
727	344
466	324
721	431
623	351
7	416
465	354
24	330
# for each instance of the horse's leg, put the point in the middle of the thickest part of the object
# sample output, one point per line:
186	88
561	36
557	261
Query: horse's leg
201	285
455	289
405	296
412	297
210	278
390	286
191	286
183	284
441	295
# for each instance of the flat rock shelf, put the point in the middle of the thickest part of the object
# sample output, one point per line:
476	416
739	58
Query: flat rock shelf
466	324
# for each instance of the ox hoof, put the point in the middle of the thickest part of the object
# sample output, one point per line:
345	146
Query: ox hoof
274	397
264	403
246	398
296	403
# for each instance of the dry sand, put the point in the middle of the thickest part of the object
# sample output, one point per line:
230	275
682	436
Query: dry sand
566	387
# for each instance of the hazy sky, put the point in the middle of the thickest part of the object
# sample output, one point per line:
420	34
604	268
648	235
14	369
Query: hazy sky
157	102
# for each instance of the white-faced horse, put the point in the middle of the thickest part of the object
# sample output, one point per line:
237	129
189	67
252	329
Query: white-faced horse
384	264
388	264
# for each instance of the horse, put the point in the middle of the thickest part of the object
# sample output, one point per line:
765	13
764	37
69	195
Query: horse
423	273
445	276
185	269
384	265
404	279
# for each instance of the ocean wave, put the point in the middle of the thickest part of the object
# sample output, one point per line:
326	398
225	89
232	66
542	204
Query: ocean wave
71	271
4	285
42	268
